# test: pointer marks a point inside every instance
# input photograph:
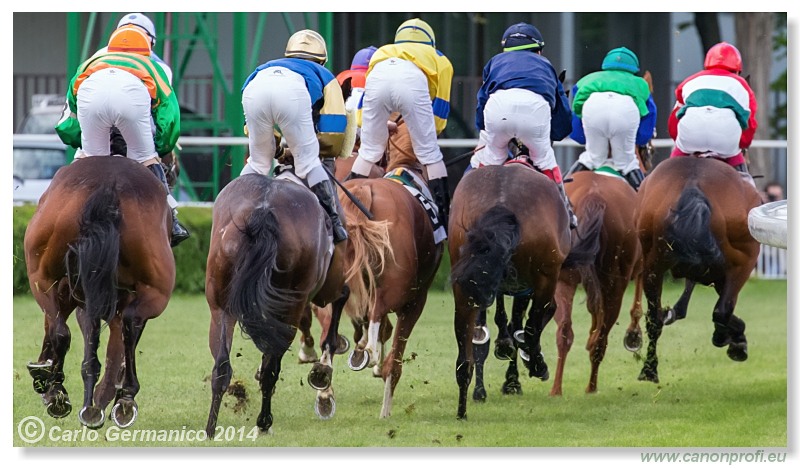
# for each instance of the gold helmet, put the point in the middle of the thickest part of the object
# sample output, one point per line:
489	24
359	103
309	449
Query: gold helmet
130	38
307	44
415	30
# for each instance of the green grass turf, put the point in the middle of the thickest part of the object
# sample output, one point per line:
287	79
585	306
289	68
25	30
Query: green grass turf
704	399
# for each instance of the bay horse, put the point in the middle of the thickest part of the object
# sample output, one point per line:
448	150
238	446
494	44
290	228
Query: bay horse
99	242
271	253
692	222
509	232
391	261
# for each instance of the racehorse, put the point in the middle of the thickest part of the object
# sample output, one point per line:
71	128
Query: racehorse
692	221
265	265
99	242
391	260
509	232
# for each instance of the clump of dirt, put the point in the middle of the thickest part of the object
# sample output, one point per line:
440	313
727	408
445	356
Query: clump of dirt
239	392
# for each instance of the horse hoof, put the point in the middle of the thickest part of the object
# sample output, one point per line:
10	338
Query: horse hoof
59	406
479	395
671	317
504	349
92	417
720	339
320	377
40	372
511	388
309	356
124	413
481	335
524	355
325	407
737	352
342	345
519	336
632	341
358	359
648	376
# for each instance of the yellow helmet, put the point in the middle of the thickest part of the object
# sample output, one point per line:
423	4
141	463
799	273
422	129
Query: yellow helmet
307	44
415	30
130	38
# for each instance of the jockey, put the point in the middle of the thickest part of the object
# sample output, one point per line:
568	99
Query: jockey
715	112
521	97
358	75
615	108
123	88
303	99
413	78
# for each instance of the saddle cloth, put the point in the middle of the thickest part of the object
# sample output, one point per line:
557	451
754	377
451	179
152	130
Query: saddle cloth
419	190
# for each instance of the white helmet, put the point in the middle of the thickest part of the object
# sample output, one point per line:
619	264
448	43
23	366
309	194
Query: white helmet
141	21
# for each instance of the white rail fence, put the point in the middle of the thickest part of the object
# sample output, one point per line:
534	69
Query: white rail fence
772	261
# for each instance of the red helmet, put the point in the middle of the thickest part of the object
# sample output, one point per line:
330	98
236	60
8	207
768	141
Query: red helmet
725	56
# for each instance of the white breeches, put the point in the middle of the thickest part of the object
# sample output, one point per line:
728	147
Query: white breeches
709	129
396	85
610	119
520	114
278	96
115	98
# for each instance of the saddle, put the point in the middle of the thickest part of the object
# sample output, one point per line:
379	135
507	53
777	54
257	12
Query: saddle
419	190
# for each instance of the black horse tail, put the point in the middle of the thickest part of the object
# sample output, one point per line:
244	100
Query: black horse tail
260	307
586	248
485	256
586	242
95	254
688	231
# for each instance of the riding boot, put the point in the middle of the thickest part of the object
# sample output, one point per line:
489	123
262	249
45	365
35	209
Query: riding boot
573	219
441	196
330	164
326	194
576	167
179	233
742	168
354	175
635	178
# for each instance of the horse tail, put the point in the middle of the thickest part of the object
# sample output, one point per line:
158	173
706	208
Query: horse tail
688	230
486	255
371	249
260	307
95	254
586	248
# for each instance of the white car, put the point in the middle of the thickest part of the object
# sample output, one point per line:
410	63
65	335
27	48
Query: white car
35	164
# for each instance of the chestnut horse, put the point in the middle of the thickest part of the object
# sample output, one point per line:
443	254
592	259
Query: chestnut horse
692	221
391	261
99	242
509	232
271	253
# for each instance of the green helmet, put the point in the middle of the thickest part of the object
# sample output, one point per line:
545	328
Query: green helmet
623	59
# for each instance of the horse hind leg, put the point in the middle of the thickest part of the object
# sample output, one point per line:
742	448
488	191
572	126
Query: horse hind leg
565	293
728	328
90	415
480	349
270	372
307	353
393	364
321	374
511	385
680	309
221	337
653	285
633	334
540	314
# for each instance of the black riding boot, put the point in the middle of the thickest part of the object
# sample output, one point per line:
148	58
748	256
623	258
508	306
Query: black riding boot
354	175
326	194
576	167
179	233
635	178
573	220
441	196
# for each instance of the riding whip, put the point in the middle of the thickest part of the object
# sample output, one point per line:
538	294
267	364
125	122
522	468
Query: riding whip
458	158
349	195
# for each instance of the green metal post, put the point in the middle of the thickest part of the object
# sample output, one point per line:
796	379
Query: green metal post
233	103
73	56
326	31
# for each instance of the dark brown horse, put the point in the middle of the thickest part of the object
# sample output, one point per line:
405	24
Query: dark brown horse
609	202
391	263
692	222
271	254
99	242
509	232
